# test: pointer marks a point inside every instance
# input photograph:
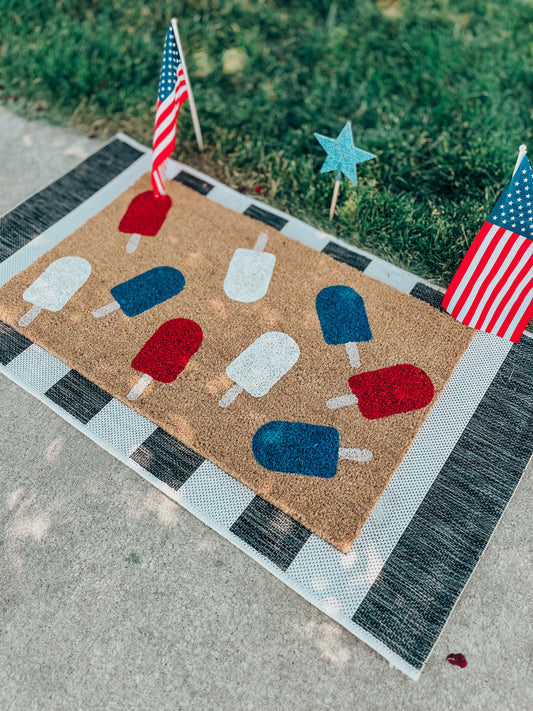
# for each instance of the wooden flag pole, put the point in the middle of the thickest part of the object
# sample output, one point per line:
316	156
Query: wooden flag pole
521	153
335	195
194	114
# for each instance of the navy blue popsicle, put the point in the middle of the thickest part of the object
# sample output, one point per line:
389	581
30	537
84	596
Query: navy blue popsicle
300	448
144	291
343	320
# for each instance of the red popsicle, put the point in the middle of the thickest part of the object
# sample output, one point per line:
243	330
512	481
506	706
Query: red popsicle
166	353
387	391
145	216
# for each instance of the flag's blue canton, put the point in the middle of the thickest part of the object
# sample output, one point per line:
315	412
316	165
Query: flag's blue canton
514	210
169	68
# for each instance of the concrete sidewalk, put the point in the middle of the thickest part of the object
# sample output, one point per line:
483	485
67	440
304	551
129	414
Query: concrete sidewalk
196	624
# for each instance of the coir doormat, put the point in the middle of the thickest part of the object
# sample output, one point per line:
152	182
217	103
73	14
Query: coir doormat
301	377
460	432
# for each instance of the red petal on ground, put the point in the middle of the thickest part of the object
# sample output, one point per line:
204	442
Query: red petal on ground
458	660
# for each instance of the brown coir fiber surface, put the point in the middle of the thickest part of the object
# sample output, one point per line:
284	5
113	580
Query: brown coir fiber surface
199	238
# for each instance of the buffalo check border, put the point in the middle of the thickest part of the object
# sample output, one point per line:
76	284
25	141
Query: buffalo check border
398	584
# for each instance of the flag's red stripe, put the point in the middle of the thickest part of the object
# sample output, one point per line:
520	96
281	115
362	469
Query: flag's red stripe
165	130
526	318
171	111
510	291
167	113
518	301
496	292
158	163
161	137
482	290
163	114
158	185
477	272
459	274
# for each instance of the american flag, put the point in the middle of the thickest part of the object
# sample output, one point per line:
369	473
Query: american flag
172	93
492	290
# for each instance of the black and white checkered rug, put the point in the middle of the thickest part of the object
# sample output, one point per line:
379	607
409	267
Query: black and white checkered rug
400	581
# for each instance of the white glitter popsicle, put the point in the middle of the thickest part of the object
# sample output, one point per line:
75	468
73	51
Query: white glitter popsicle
55	286
249	273
258	368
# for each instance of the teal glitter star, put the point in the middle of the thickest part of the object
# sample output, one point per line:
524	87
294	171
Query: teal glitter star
343	156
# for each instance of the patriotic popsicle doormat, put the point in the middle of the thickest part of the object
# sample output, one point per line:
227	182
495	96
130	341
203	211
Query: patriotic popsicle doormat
296	374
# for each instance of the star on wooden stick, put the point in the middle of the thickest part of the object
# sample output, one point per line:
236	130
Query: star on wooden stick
343	157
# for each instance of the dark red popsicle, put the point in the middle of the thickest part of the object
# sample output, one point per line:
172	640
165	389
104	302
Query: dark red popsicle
166	353
145	216
391	391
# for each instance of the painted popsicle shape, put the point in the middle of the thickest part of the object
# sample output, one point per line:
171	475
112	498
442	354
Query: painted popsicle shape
166	353
144	217
249	273
144	291
300	448
55	286
343	320
387	391
259	367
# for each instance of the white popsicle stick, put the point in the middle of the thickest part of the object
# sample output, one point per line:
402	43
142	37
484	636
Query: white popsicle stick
139	387
342	401
353	354
231	395
355	455
107	309
30	316
133	243
261	242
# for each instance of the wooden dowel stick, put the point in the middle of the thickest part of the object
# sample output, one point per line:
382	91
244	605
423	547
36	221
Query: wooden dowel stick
194	114
335	196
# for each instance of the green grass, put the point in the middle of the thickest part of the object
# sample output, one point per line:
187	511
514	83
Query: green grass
441	91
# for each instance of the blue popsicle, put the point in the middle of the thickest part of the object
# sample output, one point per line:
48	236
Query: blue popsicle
300	448
144	291
343	320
